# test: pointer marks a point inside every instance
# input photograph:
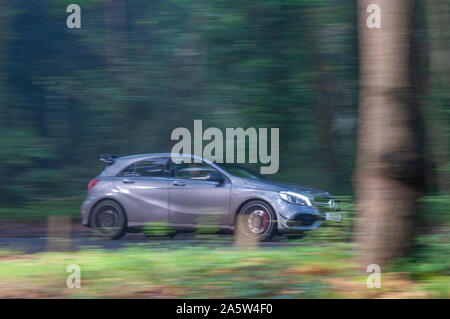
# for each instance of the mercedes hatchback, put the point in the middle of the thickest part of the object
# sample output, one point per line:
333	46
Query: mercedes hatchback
185	193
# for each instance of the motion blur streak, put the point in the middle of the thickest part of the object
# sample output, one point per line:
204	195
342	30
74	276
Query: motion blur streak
362	113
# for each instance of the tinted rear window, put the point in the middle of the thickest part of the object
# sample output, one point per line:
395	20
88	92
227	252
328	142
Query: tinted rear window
155	167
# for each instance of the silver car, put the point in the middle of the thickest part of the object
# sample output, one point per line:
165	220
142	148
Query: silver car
186	193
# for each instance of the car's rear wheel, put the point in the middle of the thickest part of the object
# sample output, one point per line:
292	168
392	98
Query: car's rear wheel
108	220
256	220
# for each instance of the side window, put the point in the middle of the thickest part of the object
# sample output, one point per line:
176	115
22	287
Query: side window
129	171
155	167
192	170
151	168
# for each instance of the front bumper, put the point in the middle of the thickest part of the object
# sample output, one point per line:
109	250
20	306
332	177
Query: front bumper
300	222
295	218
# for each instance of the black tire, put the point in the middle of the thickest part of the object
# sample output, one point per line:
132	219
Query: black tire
108	220
256	220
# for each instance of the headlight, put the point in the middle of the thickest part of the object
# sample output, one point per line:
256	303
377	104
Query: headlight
295	198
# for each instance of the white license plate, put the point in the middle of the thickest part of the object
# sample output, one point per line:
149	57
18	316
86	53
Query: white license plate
336	217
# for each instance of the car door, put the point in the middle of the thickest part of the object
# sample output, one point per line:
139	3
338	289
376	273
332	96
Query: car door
144	193
194	201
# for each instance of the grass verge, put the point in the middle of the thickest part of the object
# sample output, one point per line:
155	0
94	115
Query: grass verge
316	271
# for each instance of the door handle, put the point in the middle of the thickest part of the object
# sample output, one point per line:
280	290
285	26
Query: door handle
177	183
127	181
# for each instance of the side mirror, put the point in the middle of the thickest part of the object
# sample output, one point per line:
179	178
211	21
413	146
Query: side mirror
215	177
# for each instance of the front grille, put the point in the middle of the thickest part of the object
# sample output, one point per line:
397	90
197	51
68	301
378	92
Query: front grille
325	204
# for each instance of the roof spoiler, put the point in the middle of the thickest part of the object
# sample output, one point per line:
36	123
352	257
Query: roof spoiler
109	159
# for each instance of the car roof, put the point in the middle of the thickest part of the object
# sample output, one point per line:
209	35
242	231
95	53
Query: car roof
123	161
137	156
126	160
133	158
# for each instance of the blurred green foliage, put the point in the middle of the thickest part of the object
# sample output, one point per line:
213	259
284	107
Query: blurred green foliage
158	230
41	209
194	272
138	69
430	262
436	210
309	271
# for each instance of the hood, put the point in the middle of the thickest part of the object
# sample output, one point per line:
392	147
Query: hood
276	186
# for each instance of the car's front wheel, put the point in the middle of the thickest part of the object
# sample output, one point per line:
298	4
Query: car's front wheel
256	220
108	220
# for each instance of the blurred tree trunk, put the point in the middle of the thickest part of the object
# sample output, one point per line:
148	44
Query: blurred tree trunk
390	170
116	46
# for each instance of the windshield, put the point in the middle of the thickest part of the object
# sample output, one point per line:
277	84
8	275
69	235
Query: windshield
240	171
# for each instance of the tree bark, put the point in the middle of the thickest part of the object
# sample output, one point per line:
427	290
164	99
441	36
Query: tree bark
389	172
